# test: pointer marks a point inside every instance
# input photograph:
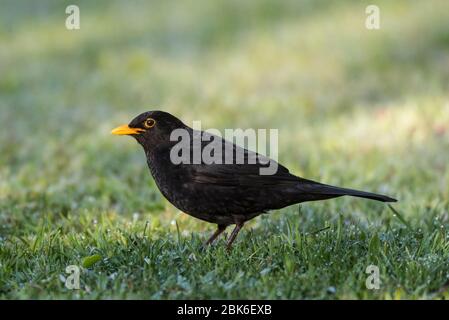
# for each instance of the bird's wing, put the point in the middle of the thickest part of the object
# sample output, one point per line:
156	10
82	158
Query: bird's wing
246	174
290	188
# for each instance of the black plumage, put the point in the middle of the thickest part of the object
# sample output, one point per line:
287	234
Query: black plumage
222	193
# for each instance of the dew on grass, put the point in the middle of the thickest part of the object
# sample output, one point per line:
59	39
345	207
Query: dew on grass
331	290
113	275
192	257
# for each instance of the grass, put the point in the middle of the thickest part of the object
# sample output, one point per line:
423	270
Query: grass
358	108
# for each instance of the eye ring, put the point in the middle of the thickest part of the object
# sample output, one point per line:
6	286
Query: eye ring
149	123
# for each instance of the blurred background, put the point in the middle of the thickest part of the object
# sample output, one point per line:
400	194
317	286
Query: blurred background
362	108
366	109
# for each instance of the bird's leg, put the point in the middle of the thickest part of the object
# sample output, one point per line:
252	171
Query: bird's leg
234	234
217	232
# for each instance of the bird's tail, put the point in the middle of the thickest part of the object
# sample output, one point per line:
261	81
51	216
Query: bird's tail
325	191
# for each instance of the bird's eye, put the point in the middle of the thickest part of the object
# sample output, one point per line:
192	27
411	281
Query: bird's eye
149	123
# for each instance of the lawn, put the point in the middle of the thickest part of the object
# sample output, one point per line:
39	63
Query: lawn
366	109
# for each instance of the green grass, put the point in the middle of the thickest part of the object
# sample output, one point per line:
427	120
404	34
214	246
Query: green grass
358	108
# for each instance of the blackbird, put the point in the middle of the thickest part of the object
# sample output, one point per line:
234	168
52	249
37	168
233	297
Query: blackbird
221	192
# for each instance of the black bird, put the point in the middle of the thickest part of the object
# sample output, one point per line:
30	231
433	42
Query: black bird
222	193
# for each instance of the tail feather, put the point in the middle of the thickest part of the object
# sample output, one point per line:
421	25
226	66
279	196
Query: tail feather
328	191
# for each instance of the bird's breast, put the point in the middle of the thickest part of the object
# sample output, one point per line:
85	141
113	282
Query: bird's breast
171	181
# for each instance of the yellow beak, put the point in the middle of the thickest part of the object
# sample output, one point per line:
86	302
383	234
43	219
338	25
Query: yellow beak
126	130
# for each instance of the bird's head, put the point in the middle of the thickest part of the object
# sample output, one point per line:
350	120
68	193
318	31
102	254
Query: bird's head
150	128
